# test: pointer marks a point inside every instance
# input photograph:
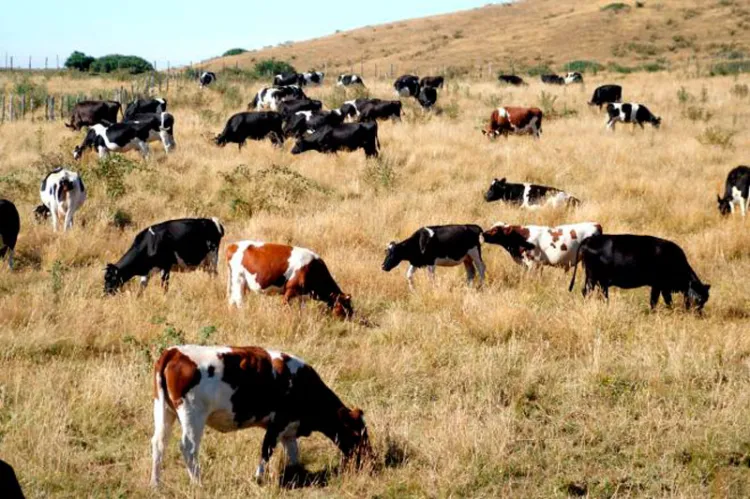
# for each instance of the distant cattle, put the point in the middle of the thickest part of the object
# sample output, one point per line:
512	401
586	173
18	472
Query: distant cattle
407	86
606	94
376	109
9	482
345	80
573	77
432	82
528	195
288	270
10	226
287	108
427	97
252	125
736	191
511	80
439	245
630	261
637	114
160	128
535	245
270	98
552	79
176	245
93	112
311	78
305	121
206	78
347	136
144	106
283	79
62	193
514	120
120	137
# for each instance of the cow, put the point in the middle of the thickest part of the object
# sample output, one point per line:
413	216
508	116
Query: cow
606	94
270	98
62	193
119	137
432	82
311	78
347	136
528	195
553	79
290	107
181	245
160	128
511	80
233	388
438	245
206	78
10	226
632	261
303	121
346	80
9	482
515	120
630	112
573	77
145	106
94	112
351	108
252	125
736	191
427	97
535	245
407	86
283	79
376	109
288	270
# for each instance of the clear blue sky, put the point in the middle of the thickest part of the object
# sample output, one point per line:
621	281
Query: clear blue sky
189	30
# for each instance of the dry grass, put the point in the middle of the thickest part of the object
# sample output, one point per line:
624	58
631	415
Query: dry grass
520	389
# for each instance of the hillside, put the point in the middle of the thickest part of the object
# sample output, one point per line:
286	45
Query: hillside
530	33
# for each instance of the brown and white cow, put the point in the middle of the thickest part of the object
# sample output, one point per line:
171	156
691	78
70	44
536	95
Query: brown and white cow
515	120
233	388
534	245
289	270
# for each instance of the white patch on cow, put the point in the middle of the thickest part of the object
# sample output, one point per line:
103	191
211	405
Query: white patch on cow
739	200
430	231
526	202
306	114
151	231
161	101
353	104
299	258
219	227
292	363
502	112
238	276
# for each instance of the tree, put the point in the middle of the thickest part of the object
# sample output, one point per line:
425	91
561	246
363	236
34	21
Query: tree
114	62
79	60
236	51
269	67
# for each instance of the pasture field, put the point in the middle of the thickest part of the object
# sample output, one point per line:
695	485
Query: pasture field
519	389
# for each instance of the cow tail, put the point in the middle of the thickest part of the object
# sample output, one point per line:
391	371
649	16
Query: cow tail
575	267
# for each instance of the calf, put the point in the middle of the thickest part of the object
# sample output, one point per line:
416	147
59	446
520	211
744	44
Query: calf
120	137
376	109
206	78
160	128
552	79
10	226
438	245
637	114
283	79
311	78
606	94
233	388
308	121
291	271
63	193
515	120
535	245
181	245
345	80
270	98
427	97
407	86
736	191
573	77
528	195
289	107
145	106
256	126
93	112
511	80
347	136
432	82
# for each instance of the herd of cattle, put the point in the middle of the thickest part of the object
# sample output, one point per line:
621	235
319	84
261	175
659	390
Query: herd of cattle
234	388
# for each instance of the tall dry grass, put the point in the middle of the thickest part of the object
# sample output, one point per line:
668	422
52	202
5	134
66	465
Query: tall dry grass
520	389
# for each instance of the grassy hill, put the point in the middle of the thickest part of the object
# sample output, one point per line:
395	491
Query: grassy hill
531	34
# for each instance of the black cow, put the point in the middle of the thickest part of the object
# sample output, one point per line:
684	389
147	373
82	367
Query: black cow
511	80
552	79
345	80
528	195
304	121
283	79
252	125
427	97
407	85
206	78
347	136
376	109
432	81
352	108
629	112
94	112
10	226
438	245
629	261
606	94
736	191
9	485
142	106
182	245
287	108
160	127
120	137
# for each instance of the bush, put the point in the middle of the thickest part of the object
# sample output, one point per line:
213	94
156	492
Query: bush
79	60
539	70
740	90
619	68
236	51
616	7
113	62
268	67
583	66
730	68
717	136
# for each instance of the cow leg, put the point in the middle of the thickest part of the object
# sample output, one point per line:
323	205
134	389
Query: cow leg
68	218
588	287
292	450
410	276
163	422
193	421
605	290
470	271
11	252
611	124
53	212
431	273
667	295
744	206
654	297
266	451
144	148
165	279
235	286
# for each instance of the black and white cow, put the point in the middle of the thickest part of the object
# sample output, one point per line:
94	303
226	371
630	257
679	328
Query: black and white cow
606	94
432	81
119	137
511	80
427	97
407	86
270	98
553	79
289	107
345	80
311	78
630	261
10	226
736	191
143	106
438	245
283	79
182	245
206	78
252	125
630	112
573	77
347	136
62	193
304	121
160	126
528	195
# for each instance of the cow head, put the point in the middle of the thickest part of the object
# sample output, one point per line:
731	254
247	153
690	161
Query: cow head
496	190
300	146
88	141
352	437
696	295
392	256
112	279
41	213
341	305
725	205
656	121
512	238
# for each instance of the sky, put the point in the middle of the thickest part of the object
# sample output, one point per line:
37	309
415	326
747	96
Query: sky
189	30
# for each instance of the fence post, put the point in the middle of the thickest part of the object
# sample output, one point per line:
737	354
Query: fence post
31	107
11	111
29	63
23	106
57	58
2	108
45	63
11	63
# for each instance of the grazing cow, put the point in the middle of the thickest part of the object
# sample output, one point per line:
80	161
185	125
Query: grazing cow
290	107
311	78
145	106
352	108
515	120
62	193
637	114
629	261
160	128
119	137
347	136
534	245
427	97
233	388
278	268
94	112
736	191
283	79
10	226
573	77
255	125
345	80
376	109
606	94
552	79
181	245
512	80
9	482
407	86
206	78
438	245
432	82
270	98
303	121
528	195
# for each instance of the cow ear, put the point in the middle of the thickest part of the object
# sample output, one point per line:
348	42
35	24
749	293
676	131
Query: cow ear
424	240
502	180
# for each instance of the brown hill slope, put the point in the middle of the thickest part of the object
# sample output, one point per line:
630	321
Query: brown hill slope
530	33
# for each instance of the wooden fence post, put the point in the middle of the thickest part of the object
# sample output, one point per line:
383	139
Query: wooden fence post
23	106
2	108
11	111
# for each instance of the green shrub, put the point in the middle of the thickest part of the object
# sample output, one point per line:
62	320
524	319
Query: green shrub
236	51
618	68
538	70
740	90
616	7
79	60
717	136
583	66
730	68
653	67
380	173
697	113
121	220
269	67
115	62
683	96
